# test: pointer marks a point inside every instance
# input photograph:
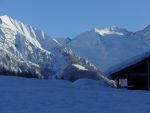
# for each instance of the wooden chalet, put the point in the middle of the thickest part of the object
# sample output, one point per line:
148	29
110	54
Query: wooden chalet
134	76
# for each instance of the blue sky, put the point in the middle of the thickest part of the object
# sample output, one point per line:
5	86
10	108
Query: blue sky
68	18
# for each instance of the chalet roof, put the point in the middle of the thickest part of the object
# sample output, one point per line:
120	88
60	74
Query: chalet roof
129	62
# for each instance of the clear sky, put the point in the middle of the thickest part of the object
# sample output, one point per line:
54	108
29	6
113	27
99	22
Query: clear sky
68	18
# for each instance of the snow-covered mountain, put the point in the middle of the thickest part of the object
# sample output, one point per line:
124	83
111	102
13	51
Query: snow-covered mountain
108	48
27	51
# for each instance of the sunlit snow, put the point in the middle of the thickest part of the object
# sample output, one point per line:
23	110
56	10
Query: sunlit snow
79	67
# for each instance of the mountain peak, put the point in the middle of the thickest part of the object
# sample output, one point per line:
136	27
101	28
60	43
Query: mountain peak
111	31
147	27
9	22
4	18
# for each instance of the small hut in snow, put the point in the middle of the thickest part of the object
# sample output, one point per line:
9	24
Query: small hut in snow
134	73
75	71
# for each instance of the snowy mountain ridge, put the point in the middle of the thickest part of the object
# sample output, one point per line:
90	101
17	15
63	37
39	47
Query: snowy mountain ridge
109	48
111	31
27	51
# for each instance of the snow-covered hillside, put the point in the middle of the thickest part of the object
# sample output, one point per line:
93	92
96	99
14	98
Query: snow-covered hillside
107	48
20	95
27	51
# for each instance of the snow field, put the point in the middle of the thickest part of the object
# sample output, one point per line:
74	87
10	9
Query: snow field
21	95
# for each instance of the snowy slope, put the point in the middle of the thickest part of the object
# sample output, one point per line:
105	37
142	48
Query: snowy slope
19	95
26	50
107	48
64	41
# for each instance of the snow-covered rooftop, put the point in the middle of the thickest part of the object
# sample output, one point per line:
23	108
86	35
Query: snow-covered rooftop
128	62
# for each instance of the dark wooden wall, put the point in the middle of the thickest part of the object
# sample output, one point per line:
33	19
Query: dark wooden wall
137	75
